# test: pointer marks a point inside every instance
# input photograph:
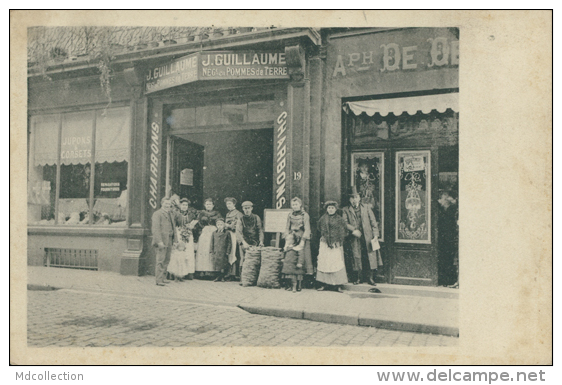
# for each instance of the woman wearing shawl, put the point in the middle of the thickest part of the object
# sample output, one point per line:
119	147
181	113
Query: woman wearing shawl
331	265
186	220
206	219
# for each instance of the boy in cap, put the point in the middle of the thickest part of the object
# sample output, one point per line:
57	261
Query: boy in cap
221	246
249	230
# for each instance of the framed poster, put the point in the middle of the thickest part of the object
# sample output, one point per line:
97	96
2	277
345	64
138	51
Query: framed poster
275	221
367	175
413	196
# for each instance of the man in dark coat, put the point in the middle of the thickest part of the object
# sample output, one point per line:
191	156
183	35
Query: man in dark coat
362	227
163	238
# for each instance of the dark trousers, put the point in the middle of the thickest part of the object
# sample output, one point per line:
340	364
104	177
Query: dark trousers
162	260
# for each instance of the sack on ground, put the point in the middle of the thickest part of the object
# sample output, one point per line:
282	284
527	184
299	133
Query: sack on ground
251	267
270	270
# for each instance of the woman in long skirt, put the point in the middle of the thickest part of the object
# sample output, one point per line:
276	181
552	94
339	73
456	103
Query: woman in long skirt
231	222
331	264
206	219
188	218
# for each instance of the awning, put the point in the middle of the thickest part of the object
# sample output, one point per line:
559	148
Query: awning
411	105
45	132
76	138
112	135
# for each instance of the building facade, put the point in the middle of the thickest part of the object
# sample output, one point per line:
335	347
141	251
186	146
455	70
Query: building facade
263	115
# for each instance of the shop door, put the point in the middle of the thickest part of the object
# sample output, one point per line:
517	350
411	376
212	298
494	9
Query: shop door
186	170
413	217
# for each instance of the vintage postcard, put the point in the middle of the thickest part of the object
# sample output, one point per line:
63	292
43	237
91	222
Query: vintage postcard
236	186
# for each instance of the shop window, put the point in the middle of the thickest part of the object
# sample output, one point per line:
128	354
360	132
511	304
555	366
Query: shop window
41	195
109	151
228	113
368	178
413	196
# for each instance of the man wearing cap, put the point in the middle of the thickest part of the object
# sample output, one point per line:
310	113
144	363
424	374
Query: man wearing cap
249	230
163	237
362	227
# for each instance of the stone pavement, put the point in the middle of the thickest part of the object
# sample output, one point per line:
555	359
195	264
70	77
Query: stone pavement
72	318
434	313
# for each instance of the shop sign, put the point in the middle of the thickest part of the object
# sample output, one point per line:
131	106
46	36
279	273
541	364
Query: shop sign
110	186
155	139
186	177
281	160
76	148
223	65
376	54
175	73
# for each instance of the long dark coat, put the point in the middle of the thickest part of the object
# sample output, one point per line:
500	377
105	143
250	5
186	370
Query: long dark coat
370	228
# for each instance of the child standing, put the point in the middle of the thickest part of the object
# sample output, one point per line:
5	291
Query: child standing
294	259
221	246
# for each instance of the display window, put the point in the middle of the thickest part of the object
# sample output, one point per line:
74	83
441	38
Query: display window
63	187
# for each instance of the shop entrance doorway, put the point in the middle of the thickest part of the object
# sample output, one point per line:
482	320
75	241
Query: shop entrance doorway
186	169
224	163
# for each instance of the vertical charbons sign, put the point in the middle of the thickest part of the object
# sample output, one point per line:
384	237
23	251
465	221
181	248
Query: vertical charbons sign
281	167
155	160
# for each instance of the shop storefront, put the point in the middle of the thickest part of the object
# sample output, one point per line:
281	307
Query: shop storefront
204	120
390	118
264	116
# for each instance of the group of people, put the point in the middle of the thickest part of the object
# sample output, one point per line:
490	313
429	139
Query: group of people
188	241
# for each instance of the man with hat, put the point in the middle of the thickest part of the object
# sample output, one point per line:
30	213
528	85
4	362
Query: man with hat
163	238
249	230
362	227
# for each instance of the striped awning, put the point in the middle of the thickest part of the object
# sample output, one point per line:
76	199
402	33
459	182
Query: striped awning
411	105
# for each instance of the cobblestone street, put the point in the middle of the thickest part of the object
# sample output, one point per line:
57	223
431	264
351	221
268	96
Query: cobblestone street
77	318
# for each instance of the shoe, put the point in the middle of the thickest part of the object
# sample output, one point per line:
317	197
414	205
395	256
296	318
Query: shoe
372	283
160	284
356	282
340	290
321	288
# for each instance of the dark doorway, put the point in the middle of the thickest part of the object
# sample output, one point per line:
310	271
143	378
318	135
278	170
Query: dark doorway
236	163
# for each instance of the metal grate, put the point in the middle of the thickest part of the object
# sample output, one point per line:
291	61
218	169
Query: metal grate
71	258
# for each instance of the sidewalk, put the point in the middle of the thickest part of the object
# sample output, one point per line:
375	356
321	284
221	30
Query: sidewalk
425	310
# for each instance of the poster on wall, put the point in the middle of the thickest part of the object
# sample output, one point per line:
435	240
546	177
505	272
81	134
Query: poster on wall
413	197
367	177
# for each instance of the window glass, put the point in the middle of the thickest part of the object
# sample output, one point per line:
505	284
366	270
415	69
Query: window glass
77	149
413	190
368	179
41	184
110	194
